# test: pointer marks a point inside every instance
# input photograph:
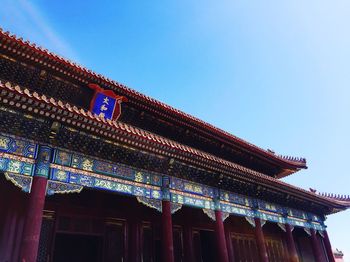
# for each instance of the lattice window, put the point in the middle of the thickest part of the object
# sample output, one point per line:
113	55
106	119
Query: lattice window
275	250
147	243
178	243
245	248
114	241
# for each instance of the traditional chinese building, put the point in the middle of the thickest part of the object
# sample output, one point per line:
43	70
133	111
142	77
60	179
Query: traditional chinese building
91	170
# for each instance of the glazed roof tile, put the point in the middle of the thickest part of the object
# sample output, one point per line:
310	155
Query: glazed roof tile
43	52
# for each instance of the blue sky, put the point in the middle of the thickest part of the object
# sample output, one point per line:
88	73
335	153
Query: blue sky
275	73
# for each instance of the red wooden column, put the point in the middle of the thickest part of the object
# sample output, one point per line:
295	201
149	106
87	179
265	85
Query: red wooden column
293	255
167	232
35	206
328	247
220	237
32	226
260	240
316	248
167	224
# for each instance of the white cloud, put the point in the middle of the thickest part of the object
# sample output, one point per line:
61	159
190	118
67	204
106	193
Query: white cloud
27	20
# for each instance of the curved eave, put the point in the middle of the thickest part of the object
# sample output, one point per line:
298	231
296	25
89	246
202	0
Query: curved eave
31	52
336	203
338	206
22	99
287	171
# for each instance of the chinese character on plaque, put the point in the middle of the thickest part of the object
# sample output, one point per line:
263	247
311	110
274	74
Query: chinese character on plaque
106	103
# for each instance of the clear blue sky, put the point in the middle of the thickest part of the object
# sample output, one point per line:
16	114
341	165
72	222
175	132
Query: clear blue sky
275	73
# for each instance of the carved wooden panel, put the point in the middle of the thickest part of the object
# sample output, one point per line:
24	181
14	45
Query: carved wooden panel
147	243
276	250
245	248
114	242
178	244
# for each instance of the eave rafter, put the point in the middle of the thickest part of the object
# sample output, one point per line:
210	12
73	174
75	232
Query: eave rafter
33	103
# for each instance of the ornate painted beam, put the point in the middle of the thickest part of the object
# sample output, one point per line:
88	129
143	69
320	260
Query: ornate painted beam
70	172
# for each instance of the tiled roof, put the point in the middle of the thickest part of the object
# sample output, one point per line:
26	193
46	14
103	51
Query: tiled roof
43	56
110	128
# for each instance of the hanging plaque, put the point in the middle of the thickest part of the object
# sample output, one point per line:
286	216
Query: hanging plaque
105	103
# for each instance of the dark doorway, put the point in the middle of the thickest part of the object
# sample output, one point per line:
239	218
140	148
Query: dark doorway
208	246
77	248
158	250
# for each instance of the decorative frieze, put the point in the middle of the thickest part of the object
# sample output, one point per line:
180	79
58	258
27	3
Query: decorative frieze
235	198
192	200
283	226
152	203
157	204
307	230
191	188
22	181
211	214
272	217
16	164
55	187
237	209
16	146
81	162
251	221
42	166
175	207
70	172
93	180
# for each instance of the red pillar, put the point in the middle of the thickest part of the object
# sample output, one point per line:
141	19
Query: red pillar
32	226
328	247
316	248
167	232
220	237
293	255
260	241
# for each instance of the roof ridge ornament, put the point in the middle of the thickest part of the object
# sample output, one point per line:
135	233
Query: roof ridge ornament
289	158
335	196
